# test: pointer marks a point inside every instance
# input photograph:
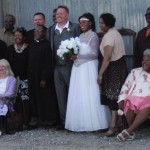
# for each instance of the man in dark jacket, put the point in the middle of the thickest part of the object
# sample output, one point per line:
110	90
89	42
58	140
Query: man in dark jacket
7	33
62	30
38	19
142	41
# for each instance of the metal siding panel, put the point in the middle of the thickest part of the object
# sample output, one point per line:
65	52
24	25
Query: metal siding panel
128	13
1	13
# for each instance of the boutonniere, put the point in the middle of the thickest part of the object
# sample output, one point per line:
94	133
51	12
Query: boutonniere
68	30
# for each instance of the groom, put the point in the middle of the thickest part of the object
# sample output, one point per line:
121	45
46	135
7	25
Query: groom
62	30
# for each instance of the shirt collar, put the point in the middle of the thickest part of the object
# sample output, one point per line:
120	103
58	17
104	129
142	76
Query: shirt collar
66	26
37	41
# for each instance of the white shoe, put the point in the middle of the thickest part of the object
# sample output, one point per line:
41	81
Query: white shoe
125	136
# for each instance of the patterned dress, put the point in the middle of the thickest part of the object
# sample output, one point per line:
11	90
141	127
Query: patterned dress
116	72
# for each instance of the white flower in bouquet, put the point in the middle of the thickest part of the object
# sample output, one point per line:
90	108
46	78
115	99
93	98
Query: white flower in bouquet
69	47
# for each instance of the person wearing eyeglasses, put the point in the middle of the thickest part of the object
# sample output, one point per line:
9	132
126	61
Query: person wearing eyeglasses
142	41
7	33
41	87
134	98
7	94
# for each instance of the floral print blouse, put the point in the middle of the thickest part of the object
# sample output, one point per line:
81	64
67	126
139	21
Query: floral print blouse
141	86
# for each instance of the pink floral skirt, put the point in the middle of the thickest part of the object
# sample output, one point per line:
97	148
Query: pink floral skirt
136	103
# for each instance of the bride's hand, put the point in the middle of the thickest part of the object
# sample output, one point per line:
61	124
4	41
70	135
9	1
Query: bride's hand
99	79
73	57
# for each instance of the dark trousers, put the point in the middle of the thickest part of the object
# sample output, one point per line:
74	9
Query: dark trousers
23	108
62	79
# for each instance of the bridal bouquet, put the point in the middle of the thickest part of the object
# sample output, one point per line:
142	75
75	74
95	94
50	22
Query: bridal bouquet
69	47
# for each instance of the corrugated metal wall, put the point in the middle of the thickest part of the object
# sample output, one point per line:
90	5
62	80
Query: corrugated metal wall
1	12
129	13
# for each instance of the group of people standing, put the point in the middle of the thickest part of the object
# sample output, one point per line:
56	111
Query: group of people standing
73	92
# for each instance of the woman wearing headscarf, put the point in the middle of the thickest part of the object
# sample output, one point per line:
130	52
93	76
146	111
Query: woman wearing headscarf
84	111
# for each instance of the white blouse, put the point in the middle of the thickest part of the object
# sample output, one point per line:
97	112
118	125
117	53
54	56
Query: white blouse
3	84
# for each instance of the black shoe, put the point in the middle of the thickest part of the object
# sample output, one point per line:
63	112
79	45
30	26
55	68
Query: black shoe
49	125
33	124
10	132
60	127
33	121
31	127
25	127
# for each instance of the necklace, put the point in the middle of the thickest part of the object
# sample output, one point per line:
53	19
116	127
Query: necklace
20	50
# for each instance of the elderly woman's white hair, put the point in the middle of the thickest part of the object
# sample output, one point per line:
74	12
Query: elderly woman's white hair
4	62
146	53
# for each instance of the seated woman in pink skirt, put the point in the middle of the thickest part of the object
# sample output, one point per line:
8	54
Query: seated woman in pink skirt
134	98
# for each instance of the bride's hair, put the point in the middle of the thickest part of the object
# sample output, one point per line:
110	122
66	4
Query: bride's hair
91	19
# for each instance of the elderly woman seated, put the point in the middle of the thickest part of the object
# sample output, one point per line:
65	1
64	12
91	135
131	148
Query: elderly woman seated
134	98
7	91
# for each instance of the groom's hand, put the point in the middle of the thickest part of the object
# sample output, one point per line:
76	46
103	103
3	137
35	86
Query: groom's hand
43	84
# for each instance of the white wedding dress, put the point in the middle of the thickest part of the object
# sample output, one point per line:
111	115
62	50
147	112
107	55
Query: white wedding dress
84	111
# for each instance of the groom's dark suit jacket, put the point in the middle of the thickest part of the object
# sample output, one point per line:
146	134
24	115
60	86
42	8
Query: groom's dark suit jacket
54	35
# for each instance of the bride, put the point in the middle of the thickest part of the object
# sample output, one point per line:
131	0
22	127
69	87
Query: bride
84	111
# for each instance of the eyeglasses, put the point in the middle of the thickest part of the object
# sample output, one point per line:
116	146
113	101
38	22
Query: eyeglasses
147	14
2	68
